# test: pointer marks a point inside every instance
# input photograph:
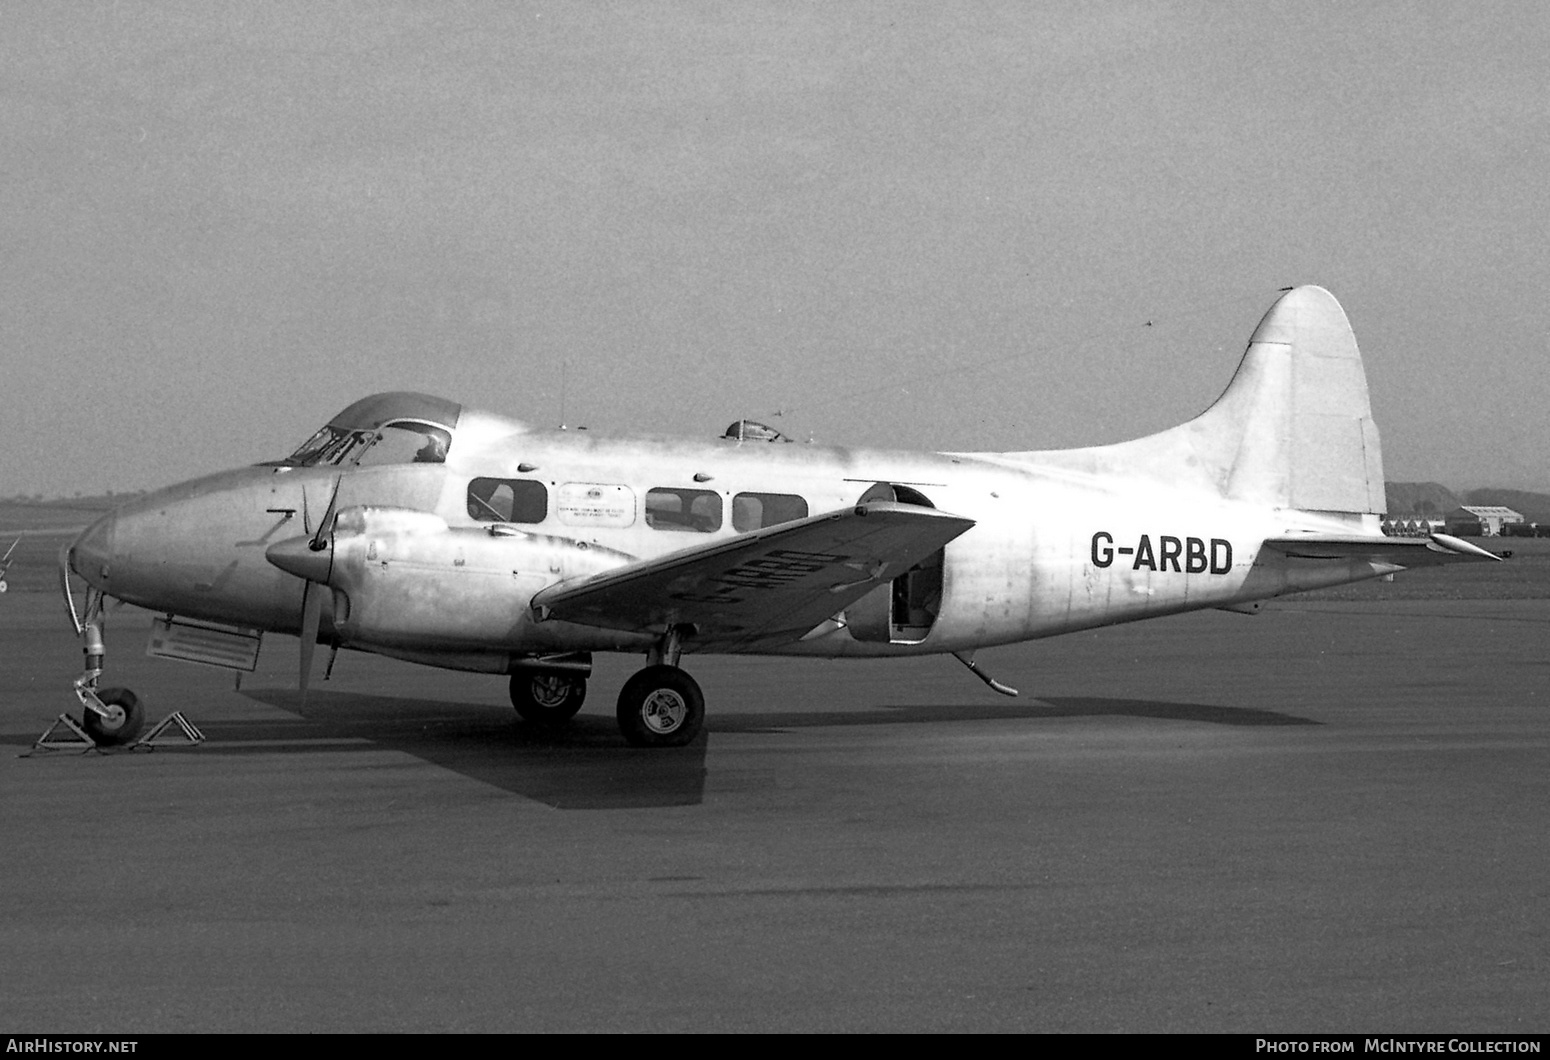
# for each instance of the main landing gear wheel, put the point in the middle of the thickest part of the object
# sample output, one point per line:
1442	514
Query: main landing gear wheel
547	699
661	707
126	716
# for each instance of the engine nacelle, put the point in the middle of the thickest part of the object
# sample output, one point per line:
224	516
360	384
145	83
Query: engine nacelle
405	579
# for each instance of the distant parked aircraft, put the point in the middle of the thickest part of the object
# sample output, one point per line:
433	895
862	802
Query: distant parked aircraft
5	563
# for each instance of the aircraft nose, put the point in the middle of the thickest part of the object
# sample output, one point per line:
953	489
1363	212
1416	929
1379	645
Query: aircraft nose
91	554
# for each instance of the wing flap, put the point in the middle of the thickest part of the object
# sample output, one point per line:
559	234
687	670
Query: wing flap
1399	551
782	580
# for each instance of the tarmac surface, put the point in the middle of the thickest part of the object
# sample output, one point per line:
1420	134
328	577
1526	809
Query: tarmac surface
1328	817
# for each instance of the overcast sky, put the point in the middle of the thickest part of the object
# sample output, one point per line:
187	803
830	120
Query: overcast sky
939	226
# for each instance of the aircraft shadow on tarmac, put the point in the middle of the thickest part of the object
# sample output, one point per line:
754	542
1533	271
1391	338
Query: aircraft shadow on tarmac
586	765
1032	709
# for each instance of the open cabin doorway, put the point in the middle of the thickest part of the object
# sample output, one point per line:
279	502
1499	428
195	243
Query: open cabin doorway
904	610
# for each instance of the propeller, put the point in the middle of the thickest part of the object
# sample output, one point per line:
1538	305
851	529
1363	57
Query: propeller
311	559
311	618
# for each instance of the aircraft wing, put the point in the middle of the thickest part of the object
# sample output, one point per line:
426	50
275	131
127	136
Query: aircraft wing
1398	551
778	582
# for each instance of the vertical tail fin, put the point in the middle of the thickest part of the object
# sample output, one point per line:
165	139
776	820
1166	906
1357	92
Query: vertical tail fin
1293	429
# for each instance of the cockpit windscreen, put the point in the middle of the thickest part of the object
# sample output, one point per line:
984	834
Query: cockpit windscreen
400	427
392	443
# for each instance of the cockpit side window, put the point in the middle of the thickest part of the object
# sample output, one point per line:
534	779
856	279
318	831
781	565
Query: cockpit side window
406	443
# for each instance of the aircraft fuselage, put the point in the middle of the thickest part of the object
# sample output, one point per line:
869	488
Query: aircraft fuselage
1050	551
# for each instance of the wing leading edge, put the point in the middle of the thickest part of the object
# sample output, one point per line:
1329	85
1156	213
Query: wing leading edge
778	582
1398	551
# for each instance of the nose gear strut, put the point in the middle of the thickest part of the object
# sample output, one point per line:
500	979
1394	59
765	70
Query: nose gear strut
110	717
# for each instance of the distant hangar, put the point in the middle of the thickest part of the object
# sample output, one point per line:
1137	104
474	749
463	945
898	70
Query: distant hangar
1470	520
1491	517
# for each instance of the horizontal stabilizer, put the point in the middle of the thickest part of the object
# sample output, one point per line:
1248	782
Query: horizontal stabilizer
782	580
1398	551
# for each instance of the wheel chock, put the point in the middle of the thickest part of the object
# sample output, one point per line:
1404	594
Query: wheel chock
174	721
73	739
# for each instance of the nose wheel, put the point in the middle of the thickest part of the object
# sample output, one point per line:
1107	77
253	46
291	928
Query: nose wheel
111	717
118	722
661	706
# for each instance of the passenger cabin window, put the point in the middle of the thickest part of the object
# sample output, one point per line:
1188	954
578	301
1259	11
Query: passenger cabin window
695	511
754	511
507	500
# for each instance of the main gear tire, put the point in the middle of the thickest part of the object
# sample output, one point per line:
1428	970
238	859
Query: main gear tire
547	698
661	706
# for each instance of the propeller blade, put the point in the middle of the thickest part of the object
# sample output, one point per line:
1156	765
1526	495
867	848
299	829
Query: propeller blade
318	544
311	616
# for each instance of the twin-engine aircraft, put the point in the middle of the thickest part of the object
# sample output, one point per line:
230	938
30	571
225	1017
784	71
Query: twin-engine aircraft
416	528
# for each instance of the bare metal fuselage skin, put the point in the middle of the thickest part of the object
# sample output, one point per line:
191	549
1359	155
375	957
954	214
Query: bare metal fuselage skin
1053	548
